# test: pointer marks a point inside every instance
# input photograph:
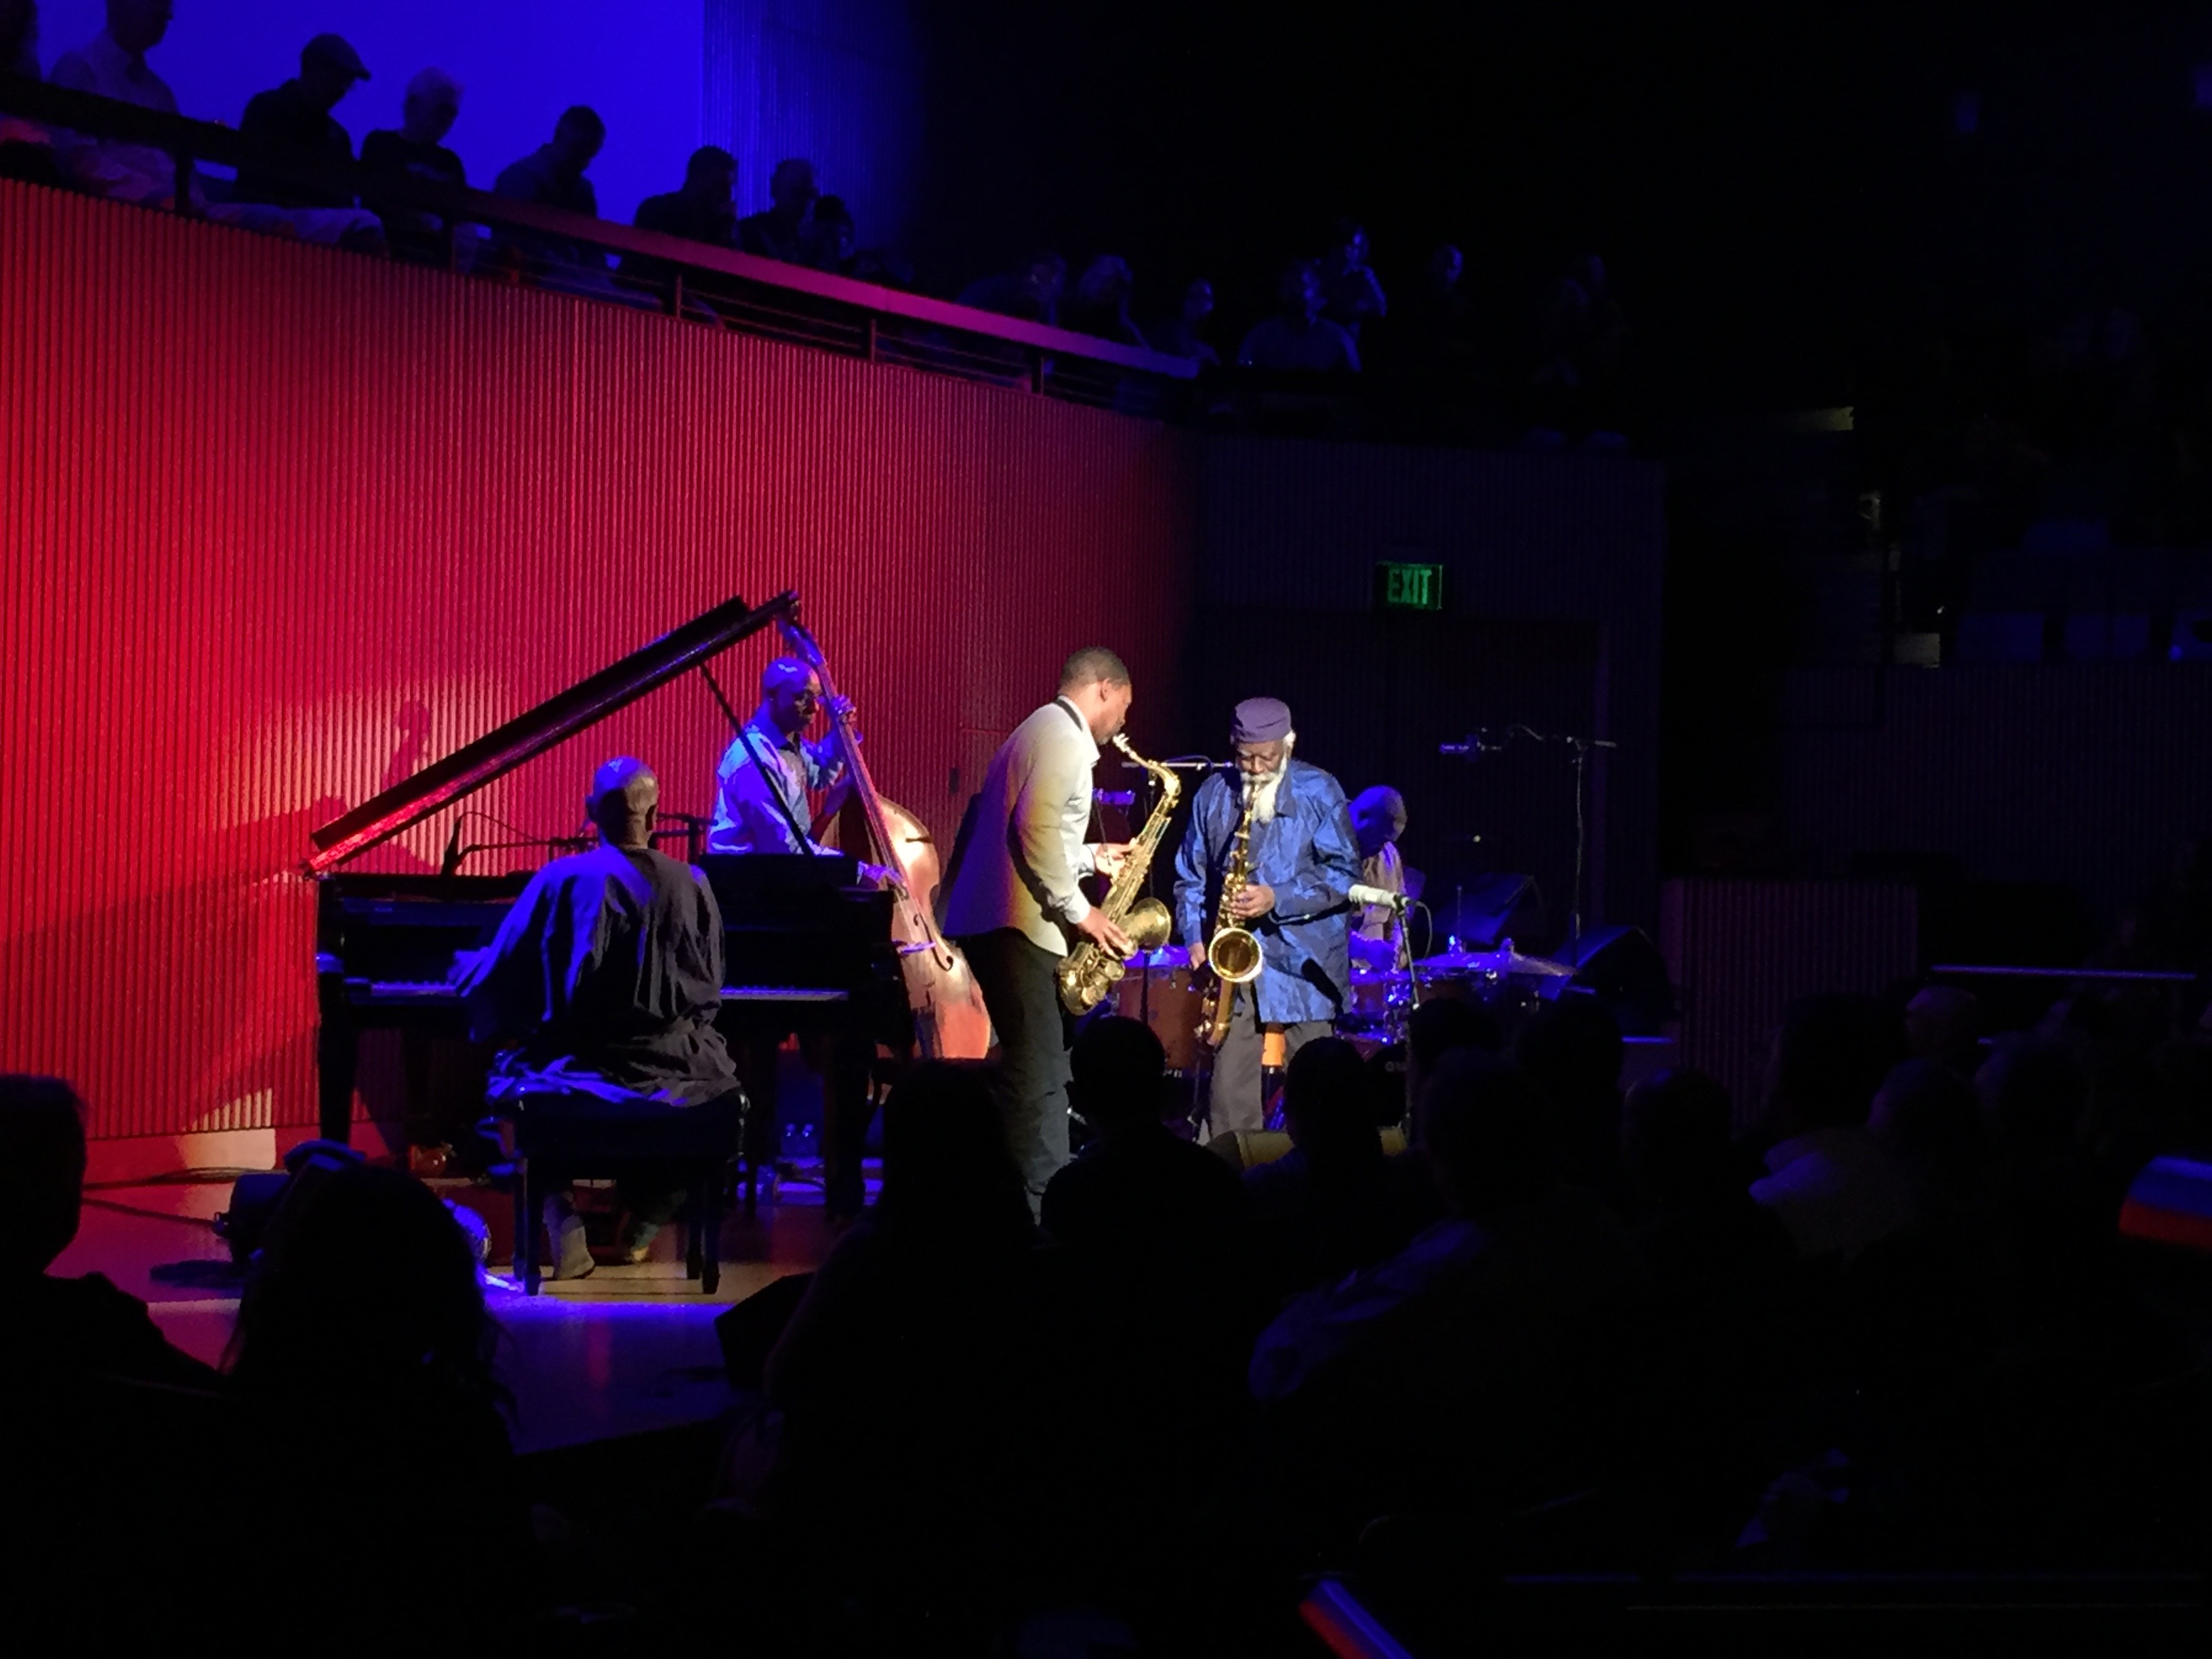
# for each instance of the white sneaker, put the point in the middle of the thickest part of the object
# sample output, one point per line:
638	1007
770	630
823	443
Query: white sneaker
571	1255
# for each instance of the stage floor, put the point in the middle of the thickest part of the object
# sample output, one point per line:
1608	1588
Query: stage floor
628	1350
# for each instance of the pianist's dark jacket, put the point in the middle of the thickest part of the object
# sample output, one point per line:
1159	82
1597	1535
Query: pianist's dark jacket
606	976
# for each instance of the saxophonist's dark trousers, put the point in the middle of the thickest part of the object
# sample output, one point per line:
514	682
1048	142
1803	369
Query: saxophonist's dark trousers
1017	977
1234	1100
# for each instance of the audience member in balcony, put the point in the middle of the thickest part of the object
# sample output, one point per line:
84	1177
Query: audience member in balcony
1351	291
66	1329
1297	338
1029	291
1828	1179
1582	335
1183	335
1101	305
297	117
702	210
552	176
1430	333
417	149
113	64
27	149
785	229
837	249
699	212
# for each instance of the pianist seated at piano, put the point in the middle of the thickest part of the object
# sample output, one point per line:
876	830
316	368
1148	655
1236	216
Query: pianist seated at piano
603	981
762	785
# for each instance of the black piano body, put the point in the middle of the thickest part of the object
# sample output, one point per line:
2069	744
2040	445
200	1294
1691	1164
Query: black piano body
383	954
812	943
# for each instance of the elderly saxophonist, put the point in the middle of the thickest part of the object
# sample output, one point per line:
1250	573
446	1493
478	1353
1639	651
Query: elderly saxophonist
1303	862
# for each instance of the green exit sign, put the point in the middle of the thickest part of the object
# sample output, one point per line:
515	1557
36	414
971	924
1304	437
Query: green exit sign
1409	586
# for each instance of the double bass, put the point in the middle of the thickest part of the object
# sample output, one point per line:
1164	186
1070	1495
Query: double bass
950	1019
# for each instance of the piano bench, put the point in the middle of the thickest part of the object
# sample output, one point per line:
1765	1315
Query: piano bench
563	1137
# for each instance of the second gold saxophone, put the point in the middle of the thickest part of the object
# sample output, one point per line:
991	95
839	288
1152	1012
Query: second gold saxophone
1089	972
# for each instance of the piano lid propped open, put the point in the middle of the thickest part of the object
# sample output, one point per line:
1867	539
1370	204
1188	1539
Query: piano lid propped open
499	751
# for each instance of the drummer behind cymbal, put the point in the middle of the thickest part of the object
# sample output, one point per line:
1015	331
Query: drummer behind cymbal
1378	819
1304	862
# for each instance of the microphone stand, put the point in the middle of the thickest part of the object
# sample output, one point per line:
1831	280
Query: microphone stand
1480	743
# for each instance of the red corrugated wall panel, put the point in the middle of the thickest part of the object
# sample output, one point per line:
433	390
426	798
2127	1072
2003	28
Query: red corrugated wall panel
1742	951
278	525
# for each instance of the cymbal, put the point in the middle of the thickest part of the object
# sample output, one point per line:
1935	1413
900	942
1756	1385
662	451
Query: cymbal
1505	962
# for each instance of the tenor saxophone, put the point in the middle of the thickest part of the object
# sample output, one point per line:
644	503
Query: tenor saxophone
1088	972
1232	954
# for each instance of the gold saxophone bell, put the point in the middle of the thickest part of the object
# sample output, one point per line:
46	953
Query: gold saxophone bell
1087	974
1234	955
1148	925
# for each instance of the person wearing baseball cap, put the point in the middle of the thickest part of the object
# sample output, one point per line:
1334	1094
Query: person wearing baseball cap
297	115
1303	860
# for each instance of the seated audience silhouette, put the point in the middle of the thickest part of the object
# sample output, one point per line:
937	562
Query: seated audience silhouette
1297	337
363	1333
113	64
1183	335
923	1376
1352	293
81	1327
298	116
1334	1202
1828	1179
702	210
102	1422
1157	1231
1514	1308
605	978
552	175
1029	291
27	148
416	149
1101	305
1721	1269
784	230
1570	1052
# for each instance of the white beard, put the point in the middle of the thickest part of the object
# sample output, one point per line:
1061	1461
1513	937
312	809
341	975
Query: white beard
1259	793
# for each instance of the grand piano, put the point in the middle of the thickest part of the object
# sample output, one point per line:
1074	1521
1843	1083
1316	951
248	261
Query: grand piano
818	947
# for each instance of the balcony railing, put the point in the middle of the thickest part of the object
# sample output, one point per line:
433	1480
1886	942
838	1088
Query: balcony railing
527	245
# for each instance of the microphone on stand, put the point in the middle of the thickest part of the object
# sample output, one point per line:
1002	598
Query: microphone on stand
1360	893
451	863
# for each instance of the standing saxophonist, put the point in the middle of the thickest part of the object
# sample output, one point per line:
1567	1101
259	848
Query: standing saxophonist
1012	905
1301	863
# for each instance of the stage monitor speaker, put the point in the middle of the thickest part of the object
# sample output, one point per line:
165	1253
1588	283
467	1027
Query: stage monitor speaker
1622	967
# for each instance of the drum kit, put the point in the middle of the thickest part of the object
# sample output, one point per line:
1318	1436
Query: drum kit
1508	983
1161	990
